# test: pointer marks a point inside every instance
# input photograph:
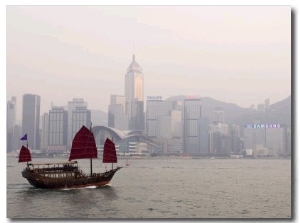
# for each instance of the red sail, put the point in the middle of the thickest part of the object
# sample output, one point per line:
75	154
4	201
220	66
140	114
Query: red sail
83	145
24	155
109	152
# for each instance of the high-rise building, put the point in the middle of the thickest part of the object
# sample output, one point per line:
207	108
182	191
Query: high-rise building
176	123
204	136
254	137
215	142
117	118
191	133
72	105
80	116
164	124
118	100
58	126
156	109
45	131
219	139
276	140
31	119
17	133
235	139
270	138
134	94
10	124
218	115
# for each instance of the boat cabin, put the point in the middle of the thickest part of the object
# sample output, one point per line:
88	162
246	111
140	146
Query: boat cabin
54	170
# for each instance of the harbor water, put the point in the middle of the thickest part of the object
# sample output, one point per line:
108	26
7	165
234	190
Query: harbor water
162	188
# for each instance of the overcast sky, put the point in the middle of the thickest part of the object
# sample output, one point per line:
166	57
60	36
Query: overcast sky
238	54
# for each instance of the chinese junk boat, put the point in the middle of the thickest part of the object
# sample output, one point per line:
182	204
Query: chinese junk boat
67	174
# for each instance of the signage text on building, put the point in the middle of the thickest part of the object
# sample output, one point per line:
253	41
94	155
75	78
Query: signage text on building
262	126
154	98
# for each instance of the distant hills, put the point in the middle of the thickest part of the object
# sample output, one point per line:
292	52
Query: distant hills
282	111
278	113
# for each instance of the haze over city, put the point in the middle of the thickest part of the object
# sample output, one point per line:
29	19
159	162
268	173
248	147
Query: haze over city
235	54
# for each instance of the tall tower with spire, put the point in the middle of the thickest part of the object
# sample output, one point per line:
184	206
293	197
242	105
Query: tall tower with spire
134	94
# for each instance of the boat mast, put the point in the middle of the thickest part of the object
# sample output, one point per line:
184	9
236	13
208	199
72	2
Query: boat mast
27	148
91	162
112	164
91	167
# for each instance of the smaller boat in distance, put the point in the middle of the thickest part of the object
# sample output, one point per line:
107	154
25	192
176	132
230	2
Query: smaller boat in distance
60	175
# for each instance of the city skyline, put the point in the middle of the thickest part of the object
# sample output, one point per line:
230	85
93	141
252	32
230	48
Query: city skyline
221	52
165	120
19	106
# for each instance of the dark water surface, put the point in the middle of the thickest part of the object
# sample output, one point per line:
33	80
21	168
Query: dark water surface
162	188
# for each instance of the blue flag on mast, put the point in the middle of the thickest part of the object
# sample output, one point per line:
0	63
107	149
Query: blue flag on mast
24	137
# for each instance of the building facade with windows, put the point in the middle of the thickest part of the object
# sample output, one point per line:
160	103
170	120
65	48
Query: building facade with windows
80	116
266	139
117	117
58	129
73	105
45	131
191	133
31	119
11	109
164	124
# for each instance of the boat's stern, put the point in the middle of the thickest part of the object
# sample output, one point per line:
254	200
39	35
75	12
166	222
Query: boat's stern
26	173
32	177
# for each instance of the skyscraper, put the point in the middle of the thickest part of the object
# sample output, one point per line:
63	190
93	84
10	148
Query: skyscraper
219	139
191	119
80	116
31	119
11	122
117	118
58	126
204	136
156	113
218	115
45	131
72	105
164	124
134	94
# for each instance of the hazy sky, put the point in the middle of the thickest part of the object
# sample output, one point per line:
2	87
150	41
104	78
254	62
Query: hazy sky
238	54
234	54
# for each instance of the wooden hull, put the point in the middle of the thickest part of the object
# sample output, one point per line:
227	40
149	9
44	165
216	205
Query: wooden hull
72	181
